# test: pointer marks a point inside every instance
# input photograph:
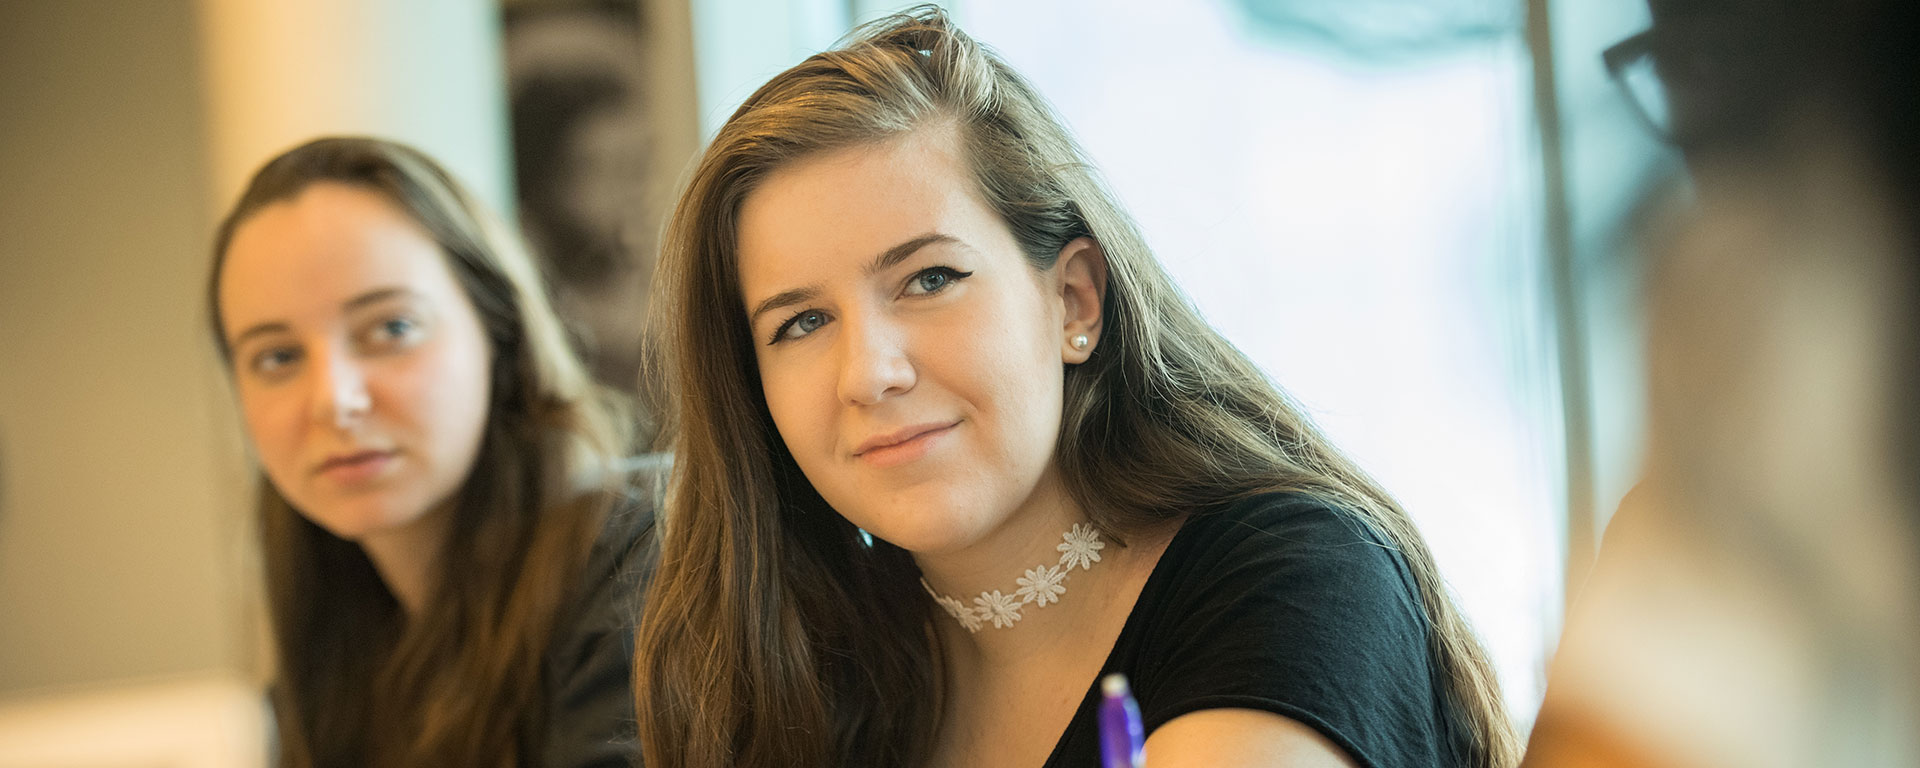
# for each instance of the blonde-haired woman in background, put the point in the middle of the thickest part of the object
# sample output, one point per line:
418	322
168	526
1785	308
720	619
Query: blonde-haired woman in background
452	539
950	446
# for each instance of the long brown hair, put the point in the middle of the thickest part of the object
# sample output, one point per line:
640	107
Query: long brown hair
458	685
776	635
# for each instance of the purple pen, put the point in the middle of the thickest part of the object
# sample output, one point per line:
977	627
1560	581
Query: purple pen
1122	740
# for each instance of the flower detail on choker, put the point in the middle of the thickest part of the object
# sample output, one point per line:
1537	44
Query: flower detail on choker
1002	610
1042	585
1081	548
967	617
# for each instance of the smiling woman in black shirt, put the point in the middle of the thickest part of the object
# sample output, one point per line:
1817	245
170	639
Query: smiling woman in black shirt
950	445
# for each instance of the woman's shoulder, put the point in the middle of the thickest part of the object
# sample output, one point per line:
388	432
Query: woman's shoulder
589	661
1278	570
1290	548
1279	525
1291	604
626	547
613	578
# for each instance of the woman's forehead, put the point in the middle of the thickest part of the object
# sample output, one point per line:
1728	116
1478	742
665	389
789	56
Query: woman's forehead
837	210
324	246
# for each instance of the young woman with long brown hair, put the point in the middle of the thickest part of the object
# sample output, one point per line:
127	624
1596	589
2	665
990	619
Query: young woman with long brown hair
950	446
452	538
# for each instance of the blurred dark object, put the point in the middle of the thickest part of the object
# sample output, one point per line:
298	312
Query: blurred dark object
1747	78
550	112
1701	75
581	142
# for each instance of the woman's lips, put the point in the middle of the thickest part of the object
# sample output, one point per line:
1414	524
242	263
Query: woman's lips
355	468
904	446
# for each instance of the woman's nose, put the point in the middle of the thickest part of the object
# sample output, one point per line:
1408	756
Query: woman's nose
874	361
340	393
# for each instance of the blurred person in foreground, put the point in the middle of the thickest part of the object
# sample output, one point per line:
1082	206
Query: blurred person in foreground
1754	602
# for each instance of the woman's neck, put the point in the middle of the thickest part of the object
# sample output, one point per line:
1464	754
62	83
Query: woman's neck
407	556
1029	539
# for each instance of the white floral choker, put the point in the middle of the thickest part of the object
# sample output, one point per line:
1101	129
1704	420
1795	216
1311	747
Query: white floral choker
1043	584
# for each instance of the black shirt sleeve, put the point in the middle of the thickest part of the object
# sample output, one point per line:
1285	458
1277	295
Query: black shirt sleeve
1286	605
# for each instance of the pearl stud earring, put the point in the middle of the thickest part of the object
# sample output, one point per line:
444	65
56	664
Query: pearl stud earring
1080	341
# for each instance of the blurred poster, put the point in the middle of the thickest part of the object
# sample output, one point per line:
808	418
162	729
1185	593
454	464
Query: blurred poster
581	143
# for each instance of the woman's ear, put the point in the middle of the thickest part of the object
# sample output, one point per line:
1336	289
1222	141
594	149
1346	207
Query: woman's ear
1082	271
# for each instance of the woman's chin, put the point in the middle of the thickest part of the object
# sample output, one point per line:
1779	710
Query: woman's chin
932	535
364	517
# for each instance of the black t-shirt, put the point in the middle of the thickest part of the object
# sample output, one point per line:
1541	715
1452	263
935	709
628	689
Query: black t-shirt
1283	604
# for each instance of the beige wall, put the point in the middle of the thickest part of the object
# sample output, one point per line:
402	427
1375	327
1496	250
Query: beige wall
121	547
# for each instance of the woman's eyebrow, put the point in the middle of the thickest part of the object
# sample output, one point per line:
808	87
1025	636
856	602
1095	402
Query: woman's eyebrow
782	299
376	296
269	327
886	259
258	329
899	253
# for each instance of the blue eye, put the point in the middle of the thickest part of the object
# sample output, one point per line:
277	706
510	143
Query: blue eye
933	280
799	325
269	362
397	327
397	331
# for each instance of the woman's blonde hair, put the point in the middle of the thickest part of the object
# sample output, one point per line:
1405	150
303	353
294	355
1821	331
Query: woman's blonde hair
775	635
358	682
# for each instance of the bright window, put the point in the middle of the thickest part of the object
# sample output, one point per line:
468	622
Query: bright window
1366	229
